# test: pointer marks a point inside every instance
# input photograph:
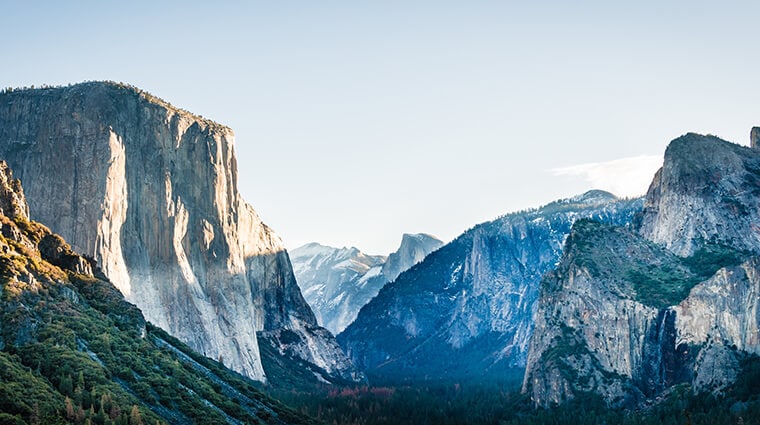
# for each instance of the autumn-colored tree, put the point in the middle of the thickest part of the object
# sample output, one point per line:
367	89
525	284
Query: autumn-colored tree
79	415
69	409
134	416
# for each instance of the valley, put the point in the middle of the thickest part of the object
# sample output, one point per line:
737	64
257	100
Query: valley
138	286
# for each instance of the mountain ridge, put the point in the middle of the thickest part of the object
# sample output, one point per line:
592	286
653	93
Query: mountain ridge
466	310
630	314
337	282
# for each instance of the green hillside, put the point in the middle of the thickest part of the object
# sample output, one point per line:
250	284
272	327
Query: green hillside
72	350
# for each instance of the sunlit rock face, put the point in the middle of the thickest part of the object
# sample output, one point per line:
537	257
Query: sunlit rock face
628	313
338	282
466	311
150	192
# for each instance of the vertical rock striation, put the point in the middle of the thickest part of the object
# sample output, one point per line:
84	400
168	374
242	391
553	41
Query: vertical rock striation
150	191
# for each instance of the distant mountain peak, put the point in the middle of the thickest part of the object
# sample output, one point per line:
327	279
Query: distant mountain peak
337	282
466	309
418	235
409	237
413	249
593	197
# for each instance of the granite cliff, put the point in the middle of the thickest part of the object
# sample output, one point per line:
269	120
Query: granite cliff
706	191
337	282
150	192
629	314
466	311
72	350
412	250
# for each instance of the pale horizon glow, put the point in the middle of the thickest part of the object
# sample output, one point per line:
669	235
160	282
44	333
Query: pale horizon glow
624	177
356	122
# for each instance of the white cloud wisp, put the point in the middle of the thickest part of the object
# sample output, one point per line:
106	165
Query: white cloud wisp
625	177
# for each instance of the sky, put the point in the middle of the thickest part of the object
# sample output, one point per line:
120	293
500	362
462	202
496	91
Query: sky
358	121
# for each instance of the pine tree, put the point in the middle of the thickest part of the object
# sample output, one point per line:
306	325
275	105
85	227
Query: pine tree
80	380
69	409
34	418
100	417
86	399
78	396
65	386
106	404
134	416
79	415
114	412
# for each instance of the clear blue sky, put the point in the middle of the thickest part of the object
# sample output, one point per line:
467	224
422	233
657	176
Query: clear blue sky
357	121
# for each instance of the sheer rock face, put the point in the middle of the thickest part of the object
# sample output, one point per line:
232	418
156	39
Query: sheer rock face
150	191
626	315
707	190
597	329
591	337
413	249
338	282
724	308
467	309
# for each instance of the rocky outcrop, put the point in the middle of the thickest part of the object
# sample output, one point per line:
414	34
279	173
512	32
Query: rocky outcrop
337	282
609	322
12	200
725	308
413	249
150	192
625	316
602	323
467	309
706	191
